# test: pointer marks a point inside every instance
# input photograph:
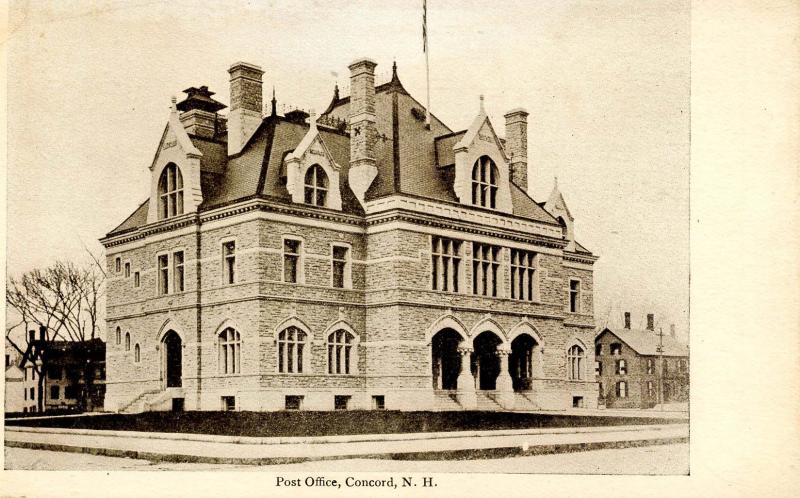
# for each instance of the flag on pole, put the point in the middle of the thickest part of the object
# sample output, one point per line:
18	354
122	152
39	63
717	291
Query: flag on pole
424	26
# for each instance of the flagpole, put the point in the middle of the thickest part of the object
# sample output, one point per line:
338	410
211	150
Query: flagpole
427	65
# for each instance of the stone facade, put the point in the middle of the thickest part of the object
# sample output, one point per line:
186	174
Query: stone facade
409	343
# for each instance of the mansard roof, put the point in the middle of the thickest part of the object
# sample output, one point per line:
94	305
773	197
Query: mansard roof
411	159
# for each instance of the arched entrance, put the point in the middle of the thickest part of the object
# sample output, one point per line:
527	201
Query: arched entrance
172	358
446	362
521	362
485	362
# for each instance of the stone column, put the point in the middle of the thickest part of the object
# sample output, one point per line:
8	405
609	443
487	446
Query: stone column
504	384
466	383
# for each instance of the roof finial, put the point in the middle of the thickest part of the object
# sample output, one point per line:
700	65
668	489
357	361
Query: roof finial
394	70
482	109
274	102
336	91
172	101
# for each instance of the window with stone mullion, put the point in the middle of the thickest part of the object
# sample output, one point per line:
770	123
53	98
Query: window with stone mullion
445	264
291	345
523	275
485	265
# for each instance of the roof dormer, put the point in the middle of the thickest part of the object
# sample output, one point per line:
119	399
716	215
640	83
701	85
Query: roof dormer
312	175
482	167
557	206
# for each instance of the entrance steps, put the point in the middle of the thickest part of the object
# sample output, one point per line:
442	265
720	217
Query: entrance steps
154	400
137	404
487	401
523	401
446	401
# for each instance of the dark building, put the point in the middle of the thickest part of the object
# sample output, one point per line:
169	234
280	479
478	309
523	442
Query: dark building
640	368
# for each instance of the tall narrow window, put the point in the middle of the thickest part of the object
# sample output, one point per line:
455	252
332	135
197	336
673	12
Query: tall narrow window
484	183
651	366
523	275
127	270
229	261
136	279
316	186
291	260
163	274
291	346
340	262
127	341
575	357
230	351
574	296
177	265
598	368
340	345
118	336
118	265
622	367
170	192
622	389
445	264
485	265
137	354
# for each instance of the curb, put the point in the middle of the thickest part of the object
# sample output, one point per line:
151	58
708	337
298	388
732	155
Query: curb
469	454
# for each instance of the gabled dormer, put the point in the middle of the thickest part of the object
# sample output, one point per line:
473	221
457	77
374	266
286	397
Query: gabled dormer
174	173
557	206
312	175
482	167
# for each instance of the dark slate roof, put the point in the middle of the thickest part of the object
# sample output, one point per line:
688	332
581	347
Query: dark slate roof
444	148
645	342
215	154
136	219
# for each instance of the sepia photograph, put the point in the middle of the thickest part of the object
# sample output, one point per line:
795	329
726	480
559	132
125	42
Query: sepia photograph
351	246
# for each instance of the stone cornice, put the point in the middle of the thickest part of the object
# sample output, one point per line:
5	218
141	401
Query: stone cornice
588	259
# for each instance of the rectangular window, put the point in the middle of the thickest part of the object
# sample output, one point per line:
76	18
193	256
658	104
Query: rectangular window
378	403
598	349
291	260
24	372
293	402
598	368
340	262
26	394
177	269
577	402
229	403
682	366
651	366
54	390
664	368
622	389
574	296
163	274
136	280
33	374
622	367
616	349
523	275
229	262
33	394
651	392
118	265
8	360
445	264
341	402
127	270
485	265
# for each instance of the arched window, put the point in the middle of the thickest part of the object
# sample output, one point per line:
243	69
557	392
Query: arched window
127	341
136	354
170	192
340	346
575	365
484	183
230	351
316	186
118	337
564	230
291	346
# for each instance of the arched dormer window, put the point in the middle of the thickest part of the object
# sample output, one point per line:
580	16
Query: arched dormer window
230	351
170	192
340	347
575	362
484	183
316	186
564	231
291	348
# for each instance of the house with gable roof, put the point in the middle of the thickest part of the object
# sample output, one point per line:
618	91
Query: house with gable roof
359	259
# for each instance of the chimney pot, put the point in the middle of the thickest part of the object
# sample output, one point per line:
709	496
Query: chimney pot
627	319
650	322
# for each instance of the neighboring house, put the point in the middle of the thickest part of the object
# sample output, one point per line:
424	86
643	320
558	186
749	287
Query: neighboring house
74	373
21	392
360	259
640	368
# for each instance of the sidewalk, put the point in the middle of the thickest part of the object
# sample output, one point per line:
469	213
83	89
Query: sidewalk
263	451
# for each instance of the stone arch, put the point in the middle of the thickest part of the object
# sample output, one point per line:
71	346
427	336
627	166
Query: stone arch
525	327
341	325
226	323
171	324
447	321
489	324
293	321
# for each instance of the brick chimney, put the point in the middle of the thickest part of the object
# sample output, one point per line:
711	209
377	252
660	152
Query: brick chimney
517	145
363	133
199	112
246	104
627	319
650	322
42	332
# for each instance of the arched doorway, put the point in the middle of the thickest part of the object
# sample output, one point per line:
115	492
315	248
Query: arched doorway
485	363
446	362
172	358
521	362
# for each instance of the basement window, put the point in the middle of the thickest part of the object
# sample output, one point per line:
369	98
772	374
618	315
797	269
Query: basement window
341	402
378	403
293	402
577	402
229	403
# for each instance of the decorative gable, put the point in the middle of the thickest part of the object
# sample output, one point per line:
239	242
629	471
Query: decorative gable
312	175
482	167
557	206
183	180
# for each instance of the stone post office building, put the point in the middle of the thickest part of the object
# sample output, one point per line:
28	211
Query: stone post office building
359	259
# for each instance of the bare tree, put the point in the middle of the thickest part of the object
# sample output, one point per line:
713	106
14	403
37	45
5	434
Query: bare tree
62	301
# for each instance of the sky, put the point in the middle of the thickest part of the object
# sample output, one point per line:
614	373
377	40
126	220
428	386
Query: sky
606	85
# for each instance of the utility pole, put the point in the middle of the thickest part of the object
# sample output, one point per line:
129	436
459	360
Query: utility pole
660	351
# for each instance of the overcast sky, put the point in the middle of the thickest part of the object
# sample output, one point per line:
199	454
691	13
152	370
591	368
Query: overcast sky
606	85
